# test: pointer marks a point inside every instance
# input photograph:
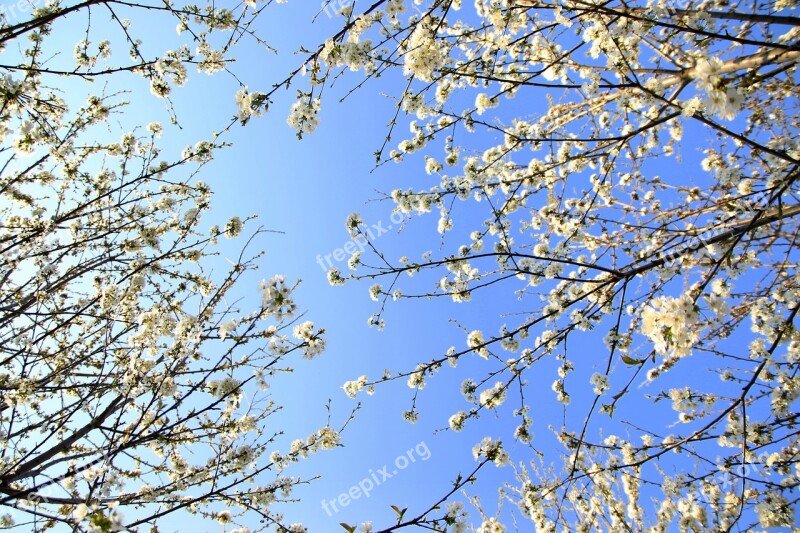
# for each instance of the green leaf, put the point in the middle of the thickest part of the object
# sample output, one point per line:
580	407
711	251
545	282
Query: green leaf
347	527
101	522
399	512
631	361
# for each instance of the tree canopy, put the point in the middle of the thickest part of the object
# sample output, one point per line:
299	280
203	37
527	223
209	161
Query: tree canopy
613	185
133	380
625	176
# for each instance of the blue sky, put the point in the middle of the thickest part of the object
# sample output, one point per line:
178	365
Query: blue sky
305	189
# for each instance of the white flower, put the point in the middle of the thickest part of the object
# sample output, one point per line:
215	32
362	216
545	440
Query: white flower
233	227
155	128
725	104
80	512
691	106
303	116
275	298
351	388
375	292
352	223
354	260
224	387
474	340
424	53
491	526
454	509
600	383
328	438
304	331
212	60
224	517
492	450
456	421
483	102
335	277
416	380
493	397
411	416
707	72
670	325
774	510
312	341
249	104
225	328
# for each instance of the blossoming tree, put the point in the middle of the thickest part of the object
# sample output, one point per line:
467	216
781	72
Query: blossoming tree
621	178
133	377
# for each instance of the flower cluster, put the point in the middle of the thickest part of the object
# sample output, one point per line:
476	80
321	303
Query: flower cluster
352	388
723	98
425	54
494	397
249	104
668	322
303	116
492	450
313	342
276	298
